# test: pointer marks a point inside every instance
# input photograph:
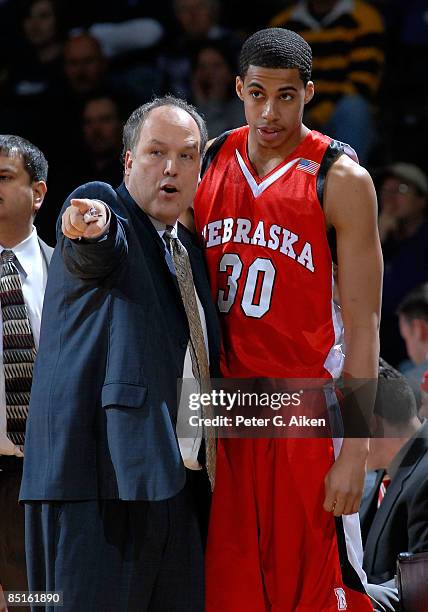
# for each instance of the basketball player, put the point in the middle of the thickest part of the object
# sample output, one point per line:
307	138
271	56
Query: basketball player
284	535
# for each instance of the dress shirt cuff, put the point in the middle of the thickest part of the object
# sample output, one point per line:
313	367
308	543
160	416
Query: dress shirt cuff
104	234
7	447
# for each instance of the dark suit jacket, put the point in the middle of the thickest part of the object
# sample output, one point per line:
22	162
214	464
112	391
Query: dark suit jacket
401	523
113	340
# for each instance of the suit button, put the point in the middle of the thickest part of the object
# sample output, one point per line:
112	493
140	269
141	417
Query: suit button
183	343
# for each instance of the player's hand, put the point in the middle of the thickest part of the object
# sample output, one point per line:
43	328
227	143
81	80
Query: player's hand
3	607
344	482
84	218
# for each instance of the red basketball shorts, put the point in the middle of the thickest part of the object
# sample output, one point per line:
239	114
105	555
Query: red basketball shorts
271	545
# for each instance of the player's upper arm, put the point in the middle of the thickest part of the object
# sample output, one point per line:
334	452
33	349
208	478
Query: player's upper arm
350	206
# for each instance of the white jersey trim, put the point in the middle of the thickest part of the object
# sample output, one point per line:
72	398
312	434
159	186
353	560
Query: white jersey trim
351	522
259	189
336	356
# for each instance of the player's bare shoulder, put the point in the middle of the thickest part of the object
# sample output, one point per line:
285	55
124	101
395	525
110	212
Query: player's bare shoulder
349	193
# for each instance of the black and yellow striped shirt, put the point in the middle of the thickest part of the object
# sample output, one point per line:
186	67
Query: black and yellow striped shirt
347	47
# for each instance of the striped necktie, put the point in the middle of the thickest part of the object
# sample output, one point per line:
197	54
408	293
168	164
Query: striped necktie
198	352
386	481
18	349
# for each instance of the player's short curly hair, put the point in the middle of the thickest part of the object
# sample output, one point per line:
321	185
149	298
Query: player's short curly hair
276	48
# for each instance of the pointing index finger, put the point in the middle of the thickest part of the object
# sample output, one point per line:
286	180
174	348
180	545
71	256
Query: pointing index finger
83	205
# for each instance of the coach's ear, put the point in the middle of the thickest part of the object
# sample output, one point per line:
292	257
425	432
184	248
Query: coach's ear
128	162
309	91
239	87
39	191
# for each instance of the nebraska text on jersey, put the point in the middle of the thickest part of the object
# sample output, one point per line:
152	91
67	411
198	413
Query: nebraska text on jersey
272	236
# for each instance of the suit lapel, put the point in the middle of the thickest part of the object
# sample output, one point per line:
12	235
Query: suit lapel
368	513
197	264
153	245
46	251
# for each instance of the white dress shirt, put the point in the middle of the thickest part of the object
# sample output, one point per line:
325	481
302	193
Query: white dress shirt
189	447
33	272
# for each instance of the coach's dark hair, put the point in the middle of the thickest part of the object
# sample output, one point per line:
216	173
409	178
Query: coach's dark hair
415	304
34	161
276	48
132	129
395	400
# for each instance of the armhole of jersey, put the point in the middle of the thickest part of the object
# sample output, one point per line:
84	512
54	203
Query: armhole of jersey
212	151
334	150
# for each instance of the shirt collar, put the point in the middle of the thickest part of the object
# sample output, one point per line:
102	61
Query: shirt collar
161	227
26	251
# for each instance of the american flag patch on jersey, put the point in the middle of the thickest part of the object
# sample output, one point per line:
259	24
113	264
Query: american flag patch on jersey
307	165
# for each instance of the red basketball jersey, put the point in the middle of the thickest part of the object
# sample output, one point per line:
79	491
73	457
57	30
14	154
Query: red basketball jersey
269	261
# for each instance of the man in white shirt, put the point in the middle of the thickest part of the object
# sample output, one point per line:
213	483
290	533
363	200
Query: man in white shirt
24	260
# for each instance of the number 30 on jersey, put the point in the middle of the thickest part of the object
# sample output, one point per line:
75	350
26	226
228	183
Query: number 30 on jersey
258	285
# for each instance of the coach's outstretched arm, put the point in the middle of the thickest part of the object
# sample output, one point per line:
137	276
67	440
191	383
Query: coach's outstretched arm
351	208
92	236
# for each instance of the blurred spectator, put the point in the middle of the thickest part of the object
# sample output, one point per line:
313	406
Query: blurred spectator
85	73
403	227
132	47
85	65
198	23
83	14
346	37
37	63
198	18
413	318
404	117
33	66
213	89
394	517
403	202
102	136
98	158
126	36
88	70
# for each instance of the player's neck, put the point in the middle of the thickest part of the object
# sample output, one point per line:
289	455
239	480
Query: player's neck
265	159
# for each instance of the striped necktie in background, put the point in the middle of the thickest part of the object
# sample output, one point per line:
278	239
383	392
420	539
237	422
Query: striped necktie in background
198	352
386	481
18	348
